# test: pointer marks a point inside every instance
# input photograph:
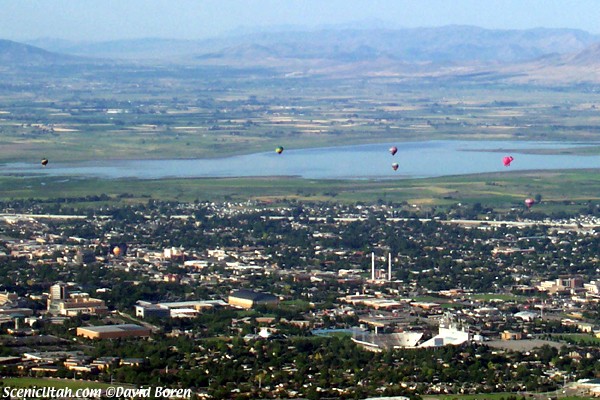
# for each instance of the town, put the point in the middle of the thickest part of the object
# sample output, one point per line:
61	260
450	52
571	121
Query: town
311	300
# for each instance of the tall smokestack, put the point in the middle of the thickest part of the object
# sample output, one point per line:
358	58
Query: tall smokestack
390	267
372	266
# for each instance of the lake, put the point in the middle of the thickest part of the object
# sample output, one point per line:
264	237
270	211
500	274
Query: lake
372	161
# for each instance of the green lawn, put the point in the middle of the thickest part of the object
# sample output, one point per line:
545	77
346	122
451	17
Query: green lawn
579	338
497	396
53	382
492	296
561	191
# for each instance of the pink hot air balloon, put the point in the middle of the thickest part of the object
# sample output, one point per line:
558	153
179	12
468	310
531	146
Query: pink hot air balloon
395	166
393	150
529	202
507	160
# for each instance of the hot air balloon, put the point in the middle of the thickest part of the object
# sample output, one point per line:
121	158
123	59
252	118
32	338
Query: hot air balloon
529	202
393	150
279	150
116	251
395	166
507	160
44	161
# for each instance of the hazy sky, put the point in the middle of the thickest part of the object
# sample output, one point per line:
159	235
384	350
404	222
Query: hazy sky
196	19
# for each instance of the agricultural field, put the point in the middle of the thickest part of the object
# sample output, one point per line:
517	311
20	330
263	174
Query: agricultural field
120	111
562	192
126	112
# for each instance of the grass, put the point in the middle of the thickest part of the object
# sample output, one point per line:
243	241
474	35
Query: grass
431	299
561	190
295	304
492	296
485	396
496	396
578	338
25	382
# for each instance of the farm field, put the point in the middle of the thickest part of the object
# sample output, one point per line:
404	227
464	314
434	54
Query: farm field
560	191
166	113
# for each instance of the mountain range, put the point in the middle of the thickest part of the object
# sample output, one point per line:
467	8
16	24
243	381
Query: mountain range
534	55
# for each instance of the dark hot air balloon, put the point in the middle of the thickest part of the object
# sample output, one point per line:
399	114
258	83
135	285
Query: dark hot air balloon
507	160
395	166
44	161
393	150
279	150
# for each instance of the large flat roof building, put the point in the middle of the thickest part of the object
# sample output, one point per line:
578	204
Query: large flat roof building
247	298
77	303
175	309
113	331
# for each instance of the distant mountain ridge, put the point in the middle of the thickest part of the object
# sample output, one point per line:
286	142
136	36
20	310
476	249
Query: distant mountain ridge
451	53
454	43
14	53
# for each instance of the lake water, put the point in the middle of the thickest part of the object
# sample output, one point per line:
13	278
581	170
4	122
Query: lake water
372	161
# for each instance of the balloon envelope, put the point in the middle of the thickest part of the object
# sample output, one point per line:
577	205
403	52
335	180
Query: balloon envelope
529	202
116	251
279	150
393	150
395	166
44	161
507	160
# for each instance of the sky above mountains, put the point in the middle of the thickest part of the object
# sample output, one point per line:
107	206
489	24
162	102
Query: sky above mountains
101	20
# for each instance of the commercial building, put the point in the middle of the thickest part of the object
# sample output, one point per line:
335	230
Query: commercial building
77	303
177	309
113	331
247	298
62	302
59	291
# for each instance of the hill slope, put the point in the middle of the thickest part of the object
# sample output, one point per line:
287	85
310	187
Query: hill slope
15	54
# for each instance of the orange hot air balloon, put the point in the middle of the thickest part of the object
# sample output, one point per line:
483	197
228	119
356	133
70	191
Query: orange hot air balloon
44	161
393	150
507	160
116	251
395	166
529	202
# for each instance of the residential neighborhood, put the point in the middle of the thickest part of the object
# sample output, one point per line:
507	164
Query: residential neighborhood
163	276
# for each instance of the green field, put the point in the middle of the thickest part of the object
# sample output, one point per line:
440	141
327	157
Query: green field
116	112
491	296
578	338
51	382
113	112
498	396
566	190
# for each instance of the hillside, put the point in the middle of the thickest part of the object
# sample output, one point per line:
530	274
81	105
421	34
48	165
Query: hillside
19	54
581	67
